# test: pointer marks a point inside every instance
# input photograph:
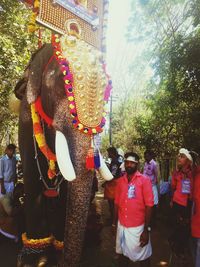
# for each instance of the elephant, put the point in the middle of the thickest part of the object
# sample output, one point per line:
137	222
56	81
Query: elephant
65	214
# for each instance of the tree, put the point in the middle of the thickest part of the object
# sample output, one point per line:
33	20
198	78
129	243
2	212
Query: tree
174	107
16	45
124	124
170	105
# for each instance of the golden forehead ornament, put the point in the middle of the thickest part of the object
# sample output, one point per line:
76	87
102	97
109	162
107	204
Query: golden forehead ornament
87	13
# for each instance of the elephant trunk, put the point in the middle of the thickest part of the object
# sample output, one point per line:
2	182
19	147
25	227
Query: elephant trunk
79	190
76	219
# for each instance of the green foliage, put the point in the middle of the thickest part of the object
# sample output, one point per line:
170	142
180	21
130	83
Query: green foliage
124	134
175	107
169	117
16	45
195	11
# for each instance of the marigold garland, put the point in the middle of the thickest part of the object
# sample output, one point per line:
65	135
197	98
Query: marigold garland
37	243
59	245
69	88
40	138
32	22
42	243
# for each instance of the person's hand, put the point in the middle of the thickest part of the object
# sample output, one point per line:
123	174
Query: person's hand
3	190
144	238
171	203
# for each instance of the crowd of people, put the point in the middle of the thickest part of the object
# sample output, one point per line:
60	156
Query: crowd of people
11	196
133	200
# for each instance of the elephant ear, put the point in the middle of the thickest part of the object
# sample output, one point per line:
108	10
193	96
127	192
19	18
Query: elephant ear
20	87
37	67
31	82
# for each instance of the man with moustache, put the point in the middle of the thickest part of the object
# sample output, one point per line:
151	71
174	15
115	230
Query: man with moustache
133	207
182	187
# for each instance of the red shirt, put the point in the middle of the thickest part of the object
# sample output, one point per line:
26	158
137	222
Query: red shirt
177	178
131	206
196	208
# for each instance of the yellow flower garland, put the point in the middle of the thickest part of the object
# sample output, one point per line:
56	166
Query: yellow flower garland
40	139
42	242
37	243
59	245
32	22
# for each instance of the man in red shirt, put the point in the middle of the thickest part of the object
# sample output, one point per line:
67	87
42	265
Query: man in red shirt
133	206
181	202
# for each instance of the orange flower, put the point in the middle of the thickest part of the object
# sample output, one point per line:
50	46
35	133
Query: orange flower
59	245
37	243
41	141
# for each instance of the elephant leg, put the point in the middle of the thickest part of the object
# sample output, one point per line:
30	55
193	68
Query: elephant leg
35	210
56	218
58	213
36	225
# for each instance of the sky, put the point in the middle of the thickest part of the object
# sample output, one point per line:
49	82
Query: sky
116	55
119	12
121	54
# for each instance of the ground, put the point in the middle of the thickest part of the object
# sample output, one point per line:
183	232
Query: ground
99	250
103	253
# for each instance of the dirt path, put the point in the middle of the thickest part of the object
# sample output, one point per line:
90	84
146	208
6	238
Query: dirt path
103	254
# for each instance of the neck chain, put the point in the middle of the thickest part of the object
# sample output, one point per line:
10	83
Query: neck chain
57	182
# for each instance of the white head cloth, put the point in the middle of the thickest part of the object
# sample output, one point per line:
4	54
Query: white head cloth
186	153
131	158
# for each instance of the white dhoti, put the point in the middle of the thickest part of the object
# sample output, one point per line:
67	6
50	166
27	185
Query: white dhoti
155	194
128	243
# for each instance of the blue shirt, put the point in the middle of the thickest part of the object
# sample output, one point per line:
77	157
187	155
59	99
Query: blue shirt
8	168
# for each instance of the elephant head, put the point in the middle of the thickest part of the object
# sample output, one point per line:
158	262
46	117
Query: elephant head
47	80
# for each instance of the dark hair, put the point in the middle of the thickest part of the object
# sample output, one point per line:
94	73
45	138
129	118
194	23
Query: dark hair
149	152
11	147
112	150
132	154
195	157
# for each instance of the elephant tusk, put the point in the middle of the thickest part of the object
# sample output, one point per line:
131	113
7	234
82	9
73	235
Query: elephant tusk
104	171
63	157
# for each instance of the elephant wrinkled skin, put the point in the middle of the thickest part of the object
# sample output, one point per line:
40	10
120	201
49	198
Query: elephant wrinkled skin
46	216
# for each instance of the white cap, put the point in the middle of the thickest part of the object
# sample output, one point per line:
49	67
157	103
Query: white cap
131	158
120	152
186	153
